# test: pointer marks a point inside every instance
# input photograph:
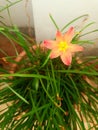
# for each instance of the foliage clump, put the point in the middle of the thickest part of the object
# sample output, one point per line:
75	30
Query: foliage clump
44	92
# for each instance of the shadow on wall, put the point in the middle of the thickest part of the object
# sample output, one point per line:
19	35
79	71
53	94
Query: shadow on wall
91	49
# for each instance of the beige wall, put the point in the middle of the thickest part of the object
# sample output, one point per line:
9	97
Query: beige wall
63	11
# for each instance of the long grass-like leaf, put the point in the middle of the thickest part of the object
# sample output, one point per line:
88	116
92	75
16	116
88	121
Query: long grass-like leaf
86	26
3	52
25	75
7	6
86	15
46	60
51	97
54	22
89	32
8	1
23	99
79	72
6	35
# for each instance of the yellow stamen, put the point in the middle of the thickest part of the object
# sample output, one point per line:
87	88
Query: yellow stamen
63	46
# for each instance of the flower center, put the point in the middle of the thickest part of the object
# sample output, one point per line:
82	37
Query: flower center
63	46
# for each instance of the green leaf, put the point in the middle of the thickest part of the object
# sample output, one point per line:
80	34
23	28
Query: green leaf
54	22
11	4
23	99
74	20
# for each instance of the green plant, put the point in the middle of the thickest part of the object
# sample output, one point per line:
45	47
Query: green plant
43	93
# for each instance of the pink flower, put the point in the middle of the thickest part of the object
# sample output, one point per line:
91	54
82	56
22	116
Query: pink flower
63	47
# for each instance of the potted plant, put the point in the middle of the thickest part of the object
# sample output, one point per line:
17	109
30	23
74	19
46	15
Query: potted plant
49	86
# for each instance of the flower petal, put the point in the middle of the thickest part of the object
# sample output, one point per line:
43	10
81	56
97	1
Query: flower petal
66	58
55	53
69	35
75	48
50	44
59	36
